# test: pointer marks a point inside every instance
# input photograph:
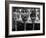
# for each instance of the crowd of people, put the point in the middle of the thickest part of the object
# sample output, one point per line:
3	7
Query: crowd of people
22	16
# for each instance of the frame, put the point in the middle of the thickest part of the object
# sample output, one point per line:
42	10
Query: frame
11	7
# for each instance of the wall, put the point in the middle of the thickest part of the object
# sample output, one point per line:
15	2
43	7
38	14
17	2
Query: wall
2	19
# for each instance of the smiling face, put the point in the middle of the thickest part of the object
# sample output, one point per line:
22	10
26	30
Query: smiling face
24	17
33	15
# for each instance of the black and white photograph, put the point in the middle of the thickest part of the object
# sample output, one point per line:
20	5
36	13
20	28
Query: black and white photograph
25	18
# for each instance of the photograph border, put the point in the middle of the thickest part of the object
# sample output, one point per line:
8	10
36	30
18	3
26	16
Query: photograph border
7	18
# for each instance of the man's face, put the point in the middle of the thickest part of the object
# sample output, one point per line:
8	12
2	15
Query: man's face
33	15
24	17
